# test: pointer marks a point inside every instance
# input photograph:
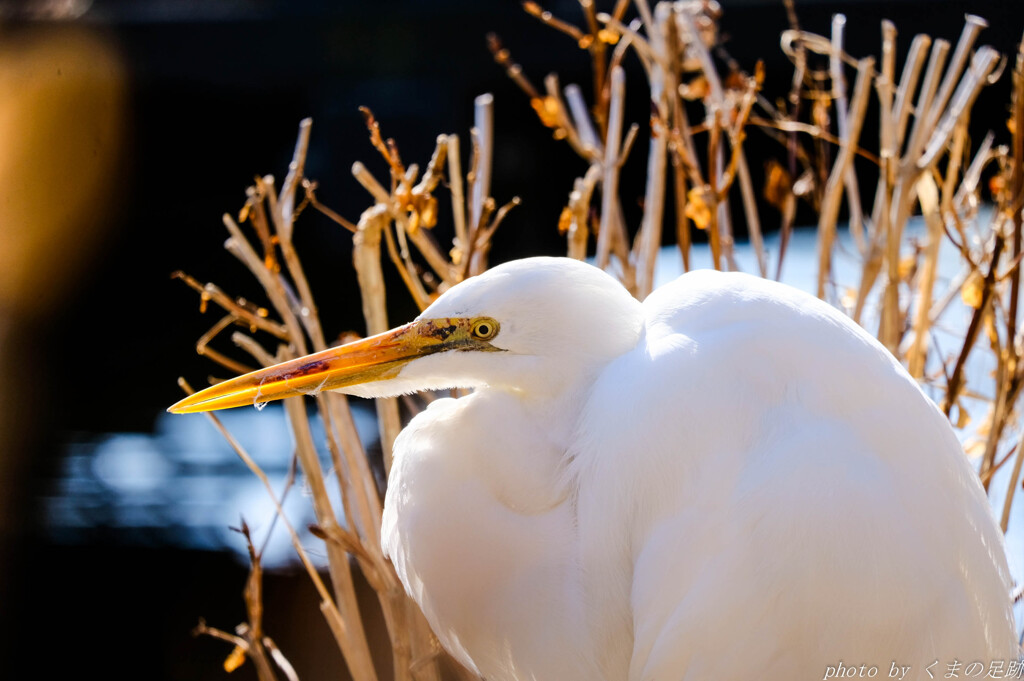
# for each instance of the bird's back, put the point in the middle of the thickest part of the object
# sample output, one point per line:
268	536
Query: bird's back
784	498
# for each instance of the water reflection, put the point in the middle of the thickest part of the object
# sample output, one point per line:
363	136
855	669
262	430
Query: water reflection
184	486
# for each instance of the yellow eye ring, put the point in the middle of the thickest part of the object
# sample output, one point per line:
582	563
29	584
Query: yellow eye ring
484	329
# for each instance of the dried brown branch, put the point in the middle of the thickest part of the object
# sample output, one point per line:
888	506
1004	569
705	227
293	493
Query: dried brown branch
662	82
245	312
480	185
837	178
534	9
204	350
575	216
327	605
610	167
957	377
310	198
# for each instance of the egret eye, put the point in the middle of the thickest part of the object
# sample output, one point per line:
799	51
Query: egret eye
485	329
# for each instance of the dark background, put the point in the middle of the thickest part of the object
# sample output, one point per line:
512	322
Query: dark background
214	94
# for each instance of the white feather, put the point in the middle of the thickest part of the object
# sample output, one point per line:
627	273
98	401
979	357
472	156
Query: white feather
729	481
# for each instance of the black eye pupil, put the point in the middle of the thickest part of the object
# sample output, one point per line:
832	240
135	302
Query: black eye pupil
483	330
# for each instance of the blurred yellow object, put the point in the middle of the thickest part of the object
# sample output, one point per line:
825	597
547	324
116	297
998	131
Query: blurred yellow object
972	292
62	97
235	660
62	94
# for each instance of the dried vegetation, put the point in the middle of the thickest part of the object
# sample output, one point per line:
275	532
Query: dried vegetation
703	107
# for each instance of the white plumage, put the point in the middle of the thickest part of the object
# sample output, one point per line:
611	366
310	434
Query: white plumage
731	480
728	481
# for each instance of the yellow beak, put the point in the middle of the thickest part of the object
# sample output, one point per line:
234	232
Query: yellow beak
370	359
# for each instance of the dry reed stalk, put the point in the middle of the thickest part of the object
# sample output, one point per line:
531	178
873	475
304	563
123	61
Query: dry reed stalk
837	179
564	120
661	82
610	168
1017	217
679	170
716	109
708	195
750	212
589	137
483	123
842	115
578	212
366	258
461	244
928	194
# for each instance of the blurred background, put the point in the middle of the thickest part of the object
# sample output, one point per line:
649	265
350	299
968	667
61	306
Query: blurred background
127	127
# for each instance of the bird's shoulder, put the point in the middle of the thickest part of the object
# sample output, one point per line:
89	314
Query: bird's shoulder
487	438
728	361
706	300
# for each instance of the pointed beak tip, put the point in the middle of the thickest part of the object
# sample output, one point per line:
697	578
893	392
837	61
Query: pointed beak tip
183	406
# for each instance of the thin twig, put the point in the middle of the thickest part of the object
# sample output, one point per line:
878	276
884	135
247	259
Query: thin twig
483	123
327	606
836	180
610	183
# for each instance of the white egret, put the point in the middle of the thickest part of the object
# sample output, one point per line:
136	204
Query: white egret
730	480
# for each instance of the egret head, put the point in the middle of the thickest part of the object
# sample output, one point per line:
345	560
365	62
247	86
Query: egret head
536	325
